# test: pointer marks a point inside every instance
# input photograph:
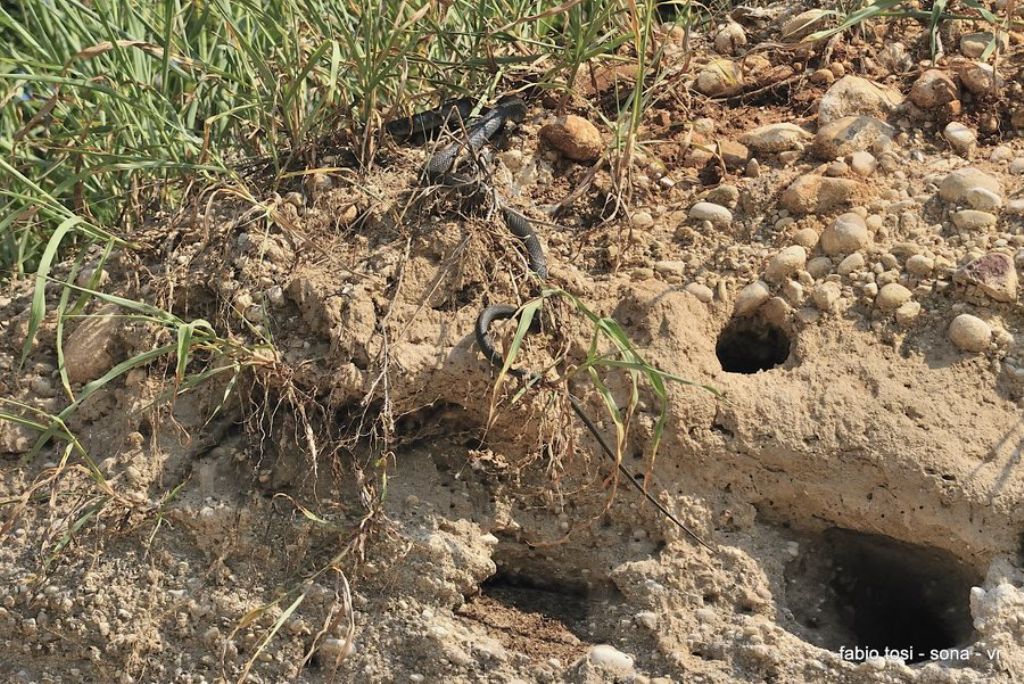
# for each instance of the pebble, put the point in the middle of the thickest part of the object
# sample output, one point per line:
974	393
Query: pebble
853	95
1001	153
812	193
920	265
892	296
980	79
972	219
575	137
775	138
670	268
701	292
726	195
823	77
934	88
806	238
852	134
735	155
956	185
1017	166
716	214
970	333
854	262
730	39
751	298
819	267
1015	207
804	24
793	291
863	163
983	199
642	220
826	295
786	263
611	659
973	45
908	313
848	233
719	77
647	619
963	139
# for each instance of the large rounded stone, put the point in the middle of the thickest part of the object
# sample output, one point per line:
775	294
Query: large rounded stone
970	333
853	95
892	296
852	134
774	138
575	137
956	185
992	275
720	77
751	298
934	88
812	193
848	233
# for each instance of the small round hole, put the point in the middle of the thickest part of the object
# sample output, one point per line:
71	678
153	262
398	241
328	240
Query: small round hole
751	345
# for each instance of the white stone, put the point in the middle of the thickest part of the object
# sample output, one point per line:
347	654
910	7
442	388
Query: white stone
853	95
848	233
819	267
956	185
920	265
854	262
642	220
716	214
730	39
963	139
826	295
908	313
970	333
701	292
972	219
863	163
610	659
775	138
786	263
892	297
983	199
751	298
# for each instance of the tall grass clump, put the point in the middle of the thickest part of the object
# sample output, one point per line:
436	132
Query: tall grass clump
107	106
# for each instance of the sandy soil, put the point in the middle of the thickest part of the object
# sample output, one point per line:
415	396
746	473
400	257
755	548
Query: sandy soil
364	506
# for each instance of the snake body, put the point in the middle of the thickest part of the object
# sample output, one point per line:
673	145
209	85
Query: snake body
440	168
425	123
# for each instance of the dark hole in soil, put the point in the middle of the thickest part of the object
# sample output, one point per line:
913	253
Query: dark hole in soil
852	589
568	604
751	345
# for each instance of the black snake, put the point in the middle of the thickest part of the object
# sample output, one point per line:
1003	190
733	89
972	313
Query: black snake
440	169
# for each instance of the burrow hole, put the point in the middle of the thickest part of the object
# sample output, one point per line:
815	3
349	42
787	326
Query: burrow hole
851	589
749	345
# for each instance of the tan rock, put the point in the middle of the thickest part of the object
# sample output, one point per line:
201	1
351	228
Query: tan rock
812	193
575	137
852	134
970	333
94	346
993	275
892	296
853	95
934	88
